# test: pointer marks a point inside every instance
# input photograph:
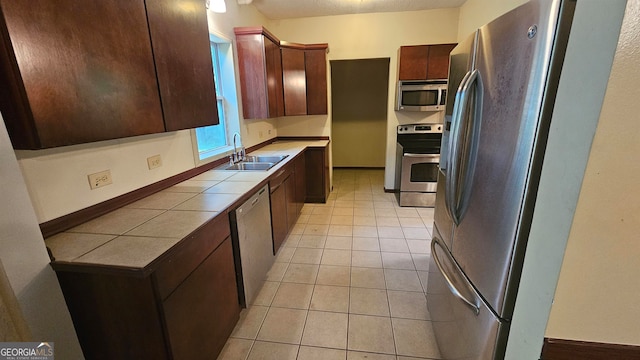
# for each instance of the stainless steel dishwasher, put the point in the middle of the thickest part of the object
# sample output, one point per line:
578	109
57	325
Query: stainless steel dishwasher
252	244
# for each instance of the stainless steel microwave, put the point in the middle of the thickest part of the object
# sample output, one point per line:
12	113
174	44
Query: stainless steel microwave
421	95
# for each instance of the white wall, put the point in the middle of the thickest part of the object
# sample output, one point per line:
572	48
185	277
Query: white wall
57	178
362	36
581	91
598	291
26	263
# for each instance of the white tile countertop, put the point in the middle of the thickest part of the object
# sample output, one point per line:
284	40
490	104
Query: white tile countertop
137	234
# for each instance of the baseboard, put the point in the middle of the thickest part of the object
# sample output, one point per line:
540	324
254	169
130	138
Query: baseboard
559	349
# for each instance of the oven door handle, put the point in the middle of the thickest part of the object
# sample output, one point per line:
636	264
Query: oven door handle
451	191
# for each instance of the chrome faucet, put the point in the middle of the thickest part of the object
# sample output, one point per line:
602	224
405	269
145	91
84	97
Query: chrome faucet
237	157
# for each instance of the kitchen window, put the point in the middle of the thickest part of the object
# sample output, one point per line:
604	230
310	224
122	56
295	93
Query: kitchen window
213	142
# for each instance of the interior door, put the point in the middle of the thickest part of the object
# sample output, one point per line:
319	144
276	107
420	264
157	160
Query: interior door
359	95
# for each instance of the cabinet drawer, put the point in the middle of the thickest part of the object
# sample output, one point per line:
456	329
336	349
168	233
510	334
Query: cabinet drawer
282	174
193	250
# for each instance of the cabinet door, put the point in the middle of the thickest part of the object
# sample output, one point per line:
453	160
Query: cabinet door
294	82
292	207
301	186
413	62
201	313
182	52
115	316
79	71
317	175
279	226
438	67
251	59
260	69
316	76
274	78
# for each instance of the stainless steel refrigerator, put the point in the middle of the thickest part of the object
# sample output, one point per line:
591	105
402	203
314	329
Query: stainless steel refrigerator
504	78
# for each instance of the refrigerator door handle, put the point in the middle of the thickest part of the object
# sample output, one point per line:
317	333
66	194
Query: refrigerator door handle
451	189
452	154
471	145
474	305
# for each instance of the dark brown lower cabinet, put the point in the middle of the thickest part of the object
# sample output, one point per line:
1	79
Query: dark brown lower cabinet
301	182
317	174
199	313
279	208
183	306
292	207
115	316
288	191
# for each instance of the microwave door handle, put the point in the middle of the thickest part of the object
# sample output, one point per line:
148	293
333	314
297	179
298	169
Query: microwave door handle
452	154
442	97
472	140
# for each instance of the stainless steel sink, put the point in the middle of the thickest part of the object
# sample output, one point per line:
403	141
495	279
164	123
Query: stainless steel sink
264	158
255	162
250	166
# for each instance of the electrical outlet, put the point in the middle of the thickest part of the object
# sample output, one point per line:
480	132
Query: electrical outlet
154	162
100	179
260	134
269	131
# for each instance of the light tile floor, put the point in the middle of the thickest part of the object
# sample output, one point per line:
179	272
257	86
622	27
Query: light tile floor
348	283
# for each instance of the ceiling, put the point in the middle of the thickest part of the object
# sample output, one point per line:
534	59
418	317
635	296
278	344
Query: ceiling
285	9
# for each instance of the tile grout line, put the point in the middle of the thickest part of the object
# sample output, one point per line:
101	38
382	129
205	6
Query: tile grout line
350	285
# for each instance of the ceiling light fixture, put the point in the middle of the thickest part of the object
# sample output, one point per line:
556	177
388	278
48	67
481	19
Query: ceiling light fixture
217	6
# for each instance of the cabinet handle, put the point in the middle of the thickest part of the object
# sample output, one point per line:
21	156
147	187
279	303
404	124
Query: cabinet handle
275	187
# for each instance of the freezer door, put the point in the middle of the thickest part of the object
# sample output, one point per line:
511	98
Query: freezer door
464	329
512	64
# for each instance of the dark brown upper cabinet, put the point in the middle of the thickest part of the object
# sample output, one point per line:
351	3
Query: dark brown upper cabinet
424	62
260	68
294	80
289	81
182	52
75	72
315	60
413	62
